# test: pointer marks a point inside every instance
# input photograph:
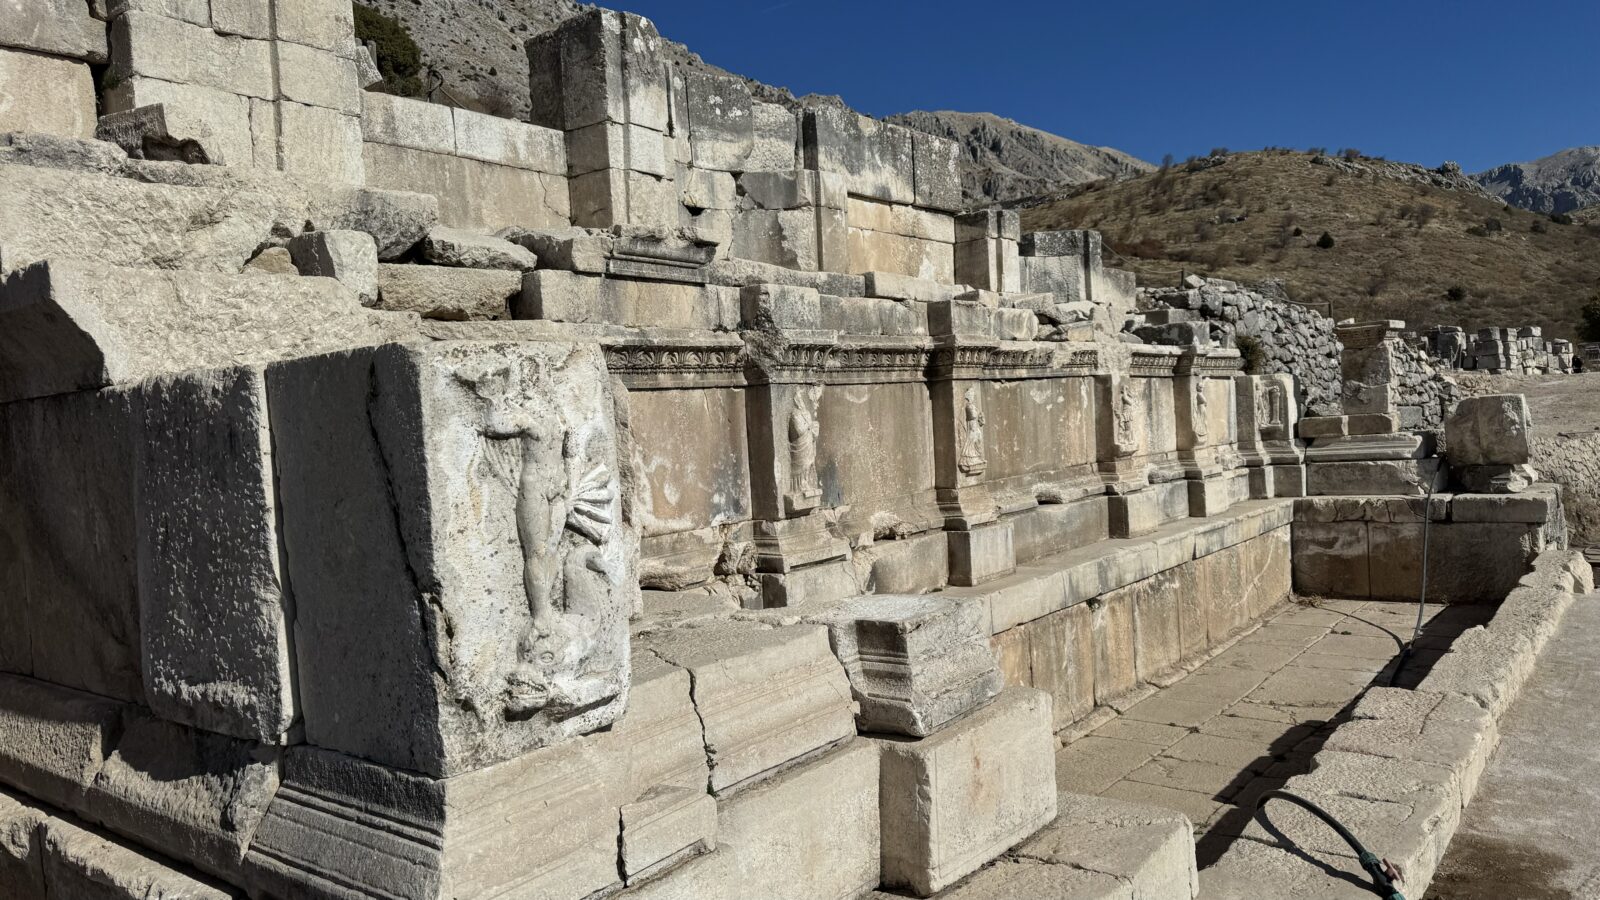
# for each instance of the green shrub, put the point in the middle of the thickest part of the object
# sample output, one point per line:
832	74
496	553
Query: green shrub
1326	241
1456	293
399	58
1251	353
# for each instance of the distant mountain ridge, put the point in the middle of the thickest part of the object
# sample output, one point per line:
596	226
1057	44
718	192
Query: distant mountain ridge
1559	183
1003	161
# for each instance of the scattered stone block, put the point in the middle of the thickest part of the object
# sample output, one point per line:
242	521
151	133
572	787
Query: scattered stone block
442	292
766	695
214	618
957	799
469	250
914	662
43	94
348	257
1489	430
432	457
584	250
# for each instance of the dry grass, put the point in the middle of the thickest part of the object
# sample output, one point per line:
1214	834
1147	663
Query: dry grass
1398	248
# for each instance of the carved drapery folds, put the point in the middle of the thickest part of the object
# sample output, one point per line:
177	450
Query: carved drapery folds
972	460
804	484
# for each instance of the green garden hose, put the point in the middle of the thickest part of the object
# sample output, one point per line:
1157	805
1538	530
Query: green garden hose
1382	872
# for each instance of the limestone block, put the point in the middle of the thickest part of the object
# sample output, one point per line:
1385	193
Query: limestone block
663	828
772	307
445	246
878	157
708	190
785	238
21	849
409	123
1445	730
1489	430
721	120
1468	562
442	292
810	831
40	93
218	121
53	740
1149	848
1406	477
154	46
247	18
1496	479
144	133
348	257
485	613
471	194
148	218
613	196
214	618
317	78
658	740
1017	878
569	297
817	583
1331	559
79	863
766	695
938	184
73	326
545	824
56	27
315	23
599	66
192	795
1062	649
1115	649
955	800
67	623
319	144
775	138
612	146
569	249
982	554
914	662
507	142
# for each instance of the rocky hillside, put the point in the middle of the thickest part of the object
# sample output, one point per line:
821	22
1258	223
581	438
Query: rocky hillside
1558	183
1006	161
1395	247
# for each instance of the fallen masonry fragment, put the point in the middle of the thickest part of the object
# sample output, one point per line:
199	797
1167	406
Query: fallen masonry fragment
673	495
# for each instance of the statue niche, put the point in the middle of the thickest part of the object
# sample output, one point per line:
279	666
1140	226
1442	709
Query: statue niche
1124	433
1201	419
971	460
804	429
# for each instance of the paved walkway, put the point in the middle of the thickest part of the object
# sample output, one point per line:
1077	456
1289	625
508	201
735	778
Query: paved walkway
1244	722
1533	831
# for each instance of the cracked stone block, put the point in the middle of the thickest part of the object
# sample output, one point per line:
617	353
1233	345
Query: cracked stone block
1147	848
21	848
214	615
721	121
1486	666
43	94
53	740
154	46
878	158
348	257
915	662
957	799
665	827
458	247
453	534
810	829
1489	430
766	695
1445	730
448	293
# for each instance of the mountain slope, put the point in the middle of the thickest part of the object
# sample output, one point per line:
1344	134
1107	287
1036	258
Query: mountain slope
1004	161
1558	183
1407	249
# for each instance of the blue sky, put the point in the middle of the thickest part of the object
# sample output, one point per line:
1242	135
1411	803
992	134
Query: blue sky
1481	83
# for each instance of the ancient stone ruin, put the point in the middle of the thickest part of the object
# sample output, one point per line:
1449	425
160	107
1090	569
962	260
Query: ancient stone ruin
673	495
1515	351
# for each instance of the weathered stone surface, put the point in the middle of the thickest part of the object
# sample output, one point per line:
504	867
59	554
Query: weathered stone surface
721	121
810	831
74	326
348	257
145	132
766	695
155	46
186	217
1486	666
319	145
482	477
56	27
53	740
214	615
955	800
1439	729
471	193
471	250
21	848
571	297
938	186
1331	559
38	93
914	662
878	158
213	124
1410	477
1489	430
192	795
776	139
1148	848
663	828
982	554
79	863
545	824
317	78
441	292
569	249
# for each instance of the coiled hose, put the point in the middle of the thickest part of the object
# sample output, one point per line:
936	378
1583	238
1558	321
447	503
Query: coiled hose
1382	872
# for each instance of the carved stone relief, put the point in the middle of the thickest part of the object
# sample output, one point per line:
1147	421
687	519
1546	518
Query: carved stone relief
971	460
803	430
